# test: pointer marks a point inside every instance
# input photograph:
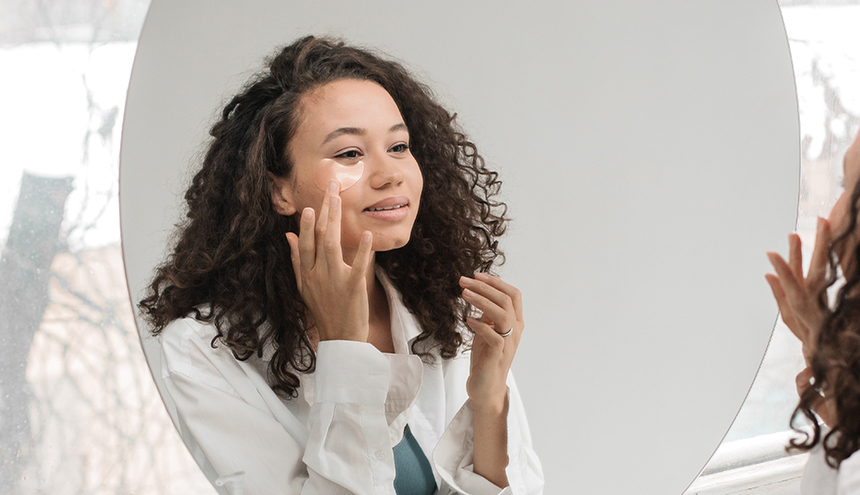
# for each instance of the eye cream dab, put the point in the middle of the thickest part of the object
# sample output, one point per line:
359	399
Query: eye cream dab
346	175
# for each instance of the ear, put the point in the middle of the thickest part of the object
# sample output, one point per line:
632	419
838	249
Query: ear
282	196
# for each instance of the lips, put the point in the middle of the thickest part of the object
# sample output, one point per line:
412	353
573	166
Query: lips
388	204
391	209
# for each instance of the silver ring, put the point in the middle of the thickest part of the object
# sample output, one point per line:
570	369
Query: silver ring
508	333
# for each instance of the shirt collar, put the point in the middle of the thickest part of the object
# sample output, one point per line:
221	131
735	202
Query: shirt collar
404	326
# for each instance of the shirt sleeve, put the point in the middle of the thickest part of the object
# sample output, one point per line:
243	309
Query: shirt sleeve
453	455
349	442
346	447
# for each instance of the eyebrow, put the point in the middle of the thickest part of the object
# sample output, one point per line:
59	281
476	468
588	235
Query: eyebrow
356	131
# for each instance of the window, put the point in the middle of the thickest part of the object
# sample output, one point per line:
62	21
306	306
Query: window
87	417
79	382
822	37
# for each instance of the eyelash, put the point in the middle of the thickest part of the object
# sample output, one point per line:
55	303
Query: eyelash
353	154
347	154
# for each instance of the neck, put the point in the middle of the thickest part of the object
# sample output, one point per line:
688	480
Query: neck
376	298
377	301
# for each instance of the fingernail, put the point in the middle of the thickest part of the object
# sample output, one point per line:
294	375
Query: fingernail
306	214
468	293
333	186
481	276
366	237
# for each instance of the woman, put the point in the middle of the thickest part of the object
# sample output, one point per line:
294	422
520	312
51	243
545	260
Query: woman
338	238
830	385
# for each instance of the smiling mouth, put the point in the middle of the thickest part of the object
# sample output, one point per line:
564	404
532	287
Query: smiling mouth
385	208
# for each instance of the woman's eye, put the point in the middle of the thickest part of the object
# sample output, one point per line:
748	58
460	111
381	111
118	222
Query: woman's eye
349	154
400	148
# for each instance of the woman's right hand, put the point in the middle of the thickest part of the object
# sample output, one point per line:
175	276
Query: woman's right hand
798	296
334	292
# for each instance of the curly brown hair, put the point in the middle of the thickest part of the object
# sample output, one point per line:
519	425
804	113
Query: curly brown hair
836	361
231	263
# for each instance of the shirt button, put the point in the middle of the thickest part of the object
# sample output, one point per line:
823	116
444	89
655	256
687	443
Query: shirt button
380	455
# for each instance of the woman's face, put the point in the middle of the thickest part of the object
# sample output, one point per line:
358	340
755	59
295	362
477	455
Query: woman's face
354	127
839	215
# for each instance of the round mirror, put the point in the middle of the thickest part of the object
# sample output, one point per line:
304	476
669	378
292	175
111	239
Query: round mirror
650	158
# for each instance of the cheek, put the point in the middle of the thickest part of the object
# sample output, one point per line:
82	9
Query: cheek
346	175
417	178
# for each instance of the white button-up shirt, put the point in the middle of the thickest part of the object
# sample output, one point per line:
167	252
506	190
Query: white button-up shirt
821	479
337	436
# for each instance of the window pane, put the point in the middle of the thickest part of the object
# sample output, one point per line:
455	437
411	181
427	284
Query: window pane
79	411
823	37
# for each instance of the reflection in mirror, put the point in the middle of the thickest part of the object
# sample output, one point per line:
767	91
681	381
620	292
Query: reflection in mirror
822	38
621	172
335	357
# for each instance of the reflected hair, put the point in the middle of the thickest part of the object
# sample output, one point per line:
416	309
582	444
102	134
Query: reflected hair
836	361
231	263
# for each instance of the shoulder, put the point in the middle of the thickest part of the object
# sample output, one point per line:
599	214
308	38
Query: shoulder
188	350
181	335
848	479
818	477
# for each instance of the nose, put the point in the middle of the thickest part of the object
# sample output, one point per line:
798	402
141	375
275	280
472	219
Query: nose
385	171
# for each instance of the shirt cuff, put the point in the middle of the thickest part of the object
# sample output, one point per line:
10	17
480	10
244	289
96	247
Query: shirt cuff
475	484
454	456
350	371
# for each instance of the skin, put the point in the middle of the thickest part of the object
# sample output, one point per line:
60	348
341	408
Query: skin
797	296
333	255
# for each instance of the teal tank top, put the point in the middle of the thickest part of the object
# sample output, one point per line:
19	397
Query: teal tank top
413	474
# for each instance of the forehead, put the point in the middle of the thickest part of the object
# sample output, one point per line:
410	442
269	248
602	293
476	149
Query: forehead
347	103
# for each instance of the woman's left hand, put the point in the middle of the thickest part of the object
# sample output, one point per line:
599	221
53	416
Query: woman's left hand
798	296
501	310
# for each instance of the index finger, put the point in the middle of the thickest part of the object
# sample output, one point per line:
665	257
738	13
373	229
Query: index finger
795	255
324	222
331	244
512	292
789	282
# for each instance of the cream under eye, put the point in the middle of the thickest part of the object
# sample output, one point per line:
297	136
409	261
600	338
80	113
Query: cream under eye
347	174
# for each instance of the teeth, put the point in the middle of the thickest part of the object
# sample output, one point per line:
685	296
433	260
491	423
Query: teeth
386	208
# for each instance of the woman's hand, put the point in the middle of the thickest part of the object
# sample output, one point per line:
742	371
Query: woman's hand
501	310
335	292
798	296
824	408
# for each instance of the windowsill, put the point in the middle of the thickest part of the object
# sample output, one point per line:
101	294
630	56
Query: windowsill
752	466
777	477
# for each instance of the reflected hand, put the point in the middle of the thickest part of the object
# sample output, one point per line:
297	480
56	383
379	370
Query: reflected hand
334	292
501	310
823	407
798	296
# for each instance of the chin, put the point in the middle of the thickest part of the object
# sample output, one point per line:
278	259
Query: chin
389	244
